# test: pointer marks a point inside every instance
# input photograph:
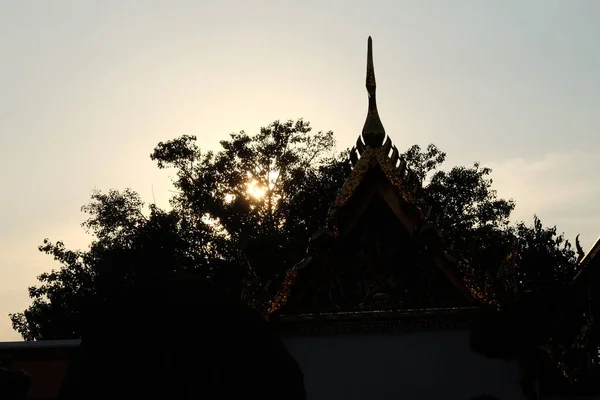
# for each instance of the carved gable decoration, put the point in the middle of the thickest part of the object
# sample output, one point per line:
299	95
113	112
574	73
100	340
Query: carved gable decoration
378	252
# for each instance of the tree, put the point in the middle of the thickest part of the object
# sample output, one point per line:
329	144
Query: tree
240	214
541	323
262	197
126	244
475	222
243	216
545	258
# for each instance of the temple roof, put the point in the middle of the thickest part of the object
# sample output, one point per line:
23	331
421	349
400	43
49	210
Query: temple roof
375	150
589	269
46	362
376	213
592	255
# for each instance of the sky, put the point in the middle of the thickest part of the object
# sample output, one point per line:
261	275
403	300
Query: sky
88	88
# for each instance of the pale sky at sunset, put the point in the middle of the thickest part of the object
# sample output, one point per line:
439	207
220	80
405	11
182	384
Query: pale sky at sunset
88	88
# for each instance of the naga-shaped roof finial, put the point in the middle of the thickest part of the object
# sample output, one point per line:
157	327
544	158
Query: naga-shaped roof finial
373	133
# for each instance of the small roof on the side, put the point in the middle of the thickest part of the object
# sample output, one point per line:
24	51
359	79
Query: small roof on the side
593	252
45	362
40	344
588	261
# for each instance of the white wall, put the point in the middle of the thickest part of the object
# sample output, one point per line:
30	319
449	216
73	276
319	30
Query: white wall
436	365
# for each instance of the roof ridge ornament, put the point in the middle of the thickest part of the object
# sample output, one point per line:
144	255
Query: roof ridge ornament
373	132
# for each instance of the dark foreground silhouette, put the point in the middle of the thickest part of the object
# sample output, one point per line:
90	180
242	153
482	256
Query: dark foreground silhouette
176	336
13	384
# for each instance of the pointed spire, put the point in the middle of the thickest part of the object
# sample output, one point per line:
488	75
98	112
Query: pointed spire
373	132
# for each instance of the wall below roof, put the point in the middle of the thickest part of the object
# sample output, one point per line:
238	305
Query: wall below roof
572	398
46	362
47	377
427	365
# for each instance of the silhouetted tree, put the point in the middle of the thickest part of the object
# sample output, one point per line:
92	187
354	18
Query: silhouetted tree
243	215
126	244
261	197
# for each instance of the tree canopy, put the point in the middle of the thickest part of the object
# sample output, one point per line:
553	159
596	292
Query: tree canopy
243	215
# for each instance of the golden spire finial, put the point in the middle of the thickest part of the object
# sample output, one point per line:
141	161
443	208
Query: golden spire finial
373	132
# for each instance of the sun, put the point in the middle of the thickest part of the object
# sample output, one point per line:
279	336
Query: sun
255	191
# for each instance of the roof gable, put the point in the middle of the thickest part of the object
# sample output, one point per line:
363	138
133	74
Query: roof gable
376	208
377	172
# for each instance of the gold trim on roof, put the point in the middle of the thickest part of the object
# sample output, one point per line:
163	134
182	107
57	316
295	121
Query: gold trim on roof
399	176
392	167
286	288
